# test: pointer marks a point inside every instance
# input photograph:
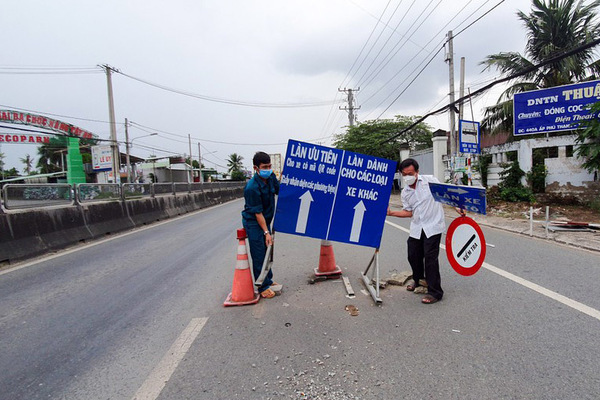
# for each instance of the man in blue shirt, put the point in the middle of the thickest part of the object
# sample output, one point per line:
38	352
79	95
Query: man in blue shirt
259	208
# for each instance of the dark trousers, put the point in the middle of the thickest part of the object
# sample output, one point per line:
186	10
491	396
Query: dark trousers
258	249
423	258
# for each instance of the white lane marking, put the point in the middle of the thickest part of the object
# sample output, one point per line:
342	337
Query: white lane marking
113	237
592	312
157	380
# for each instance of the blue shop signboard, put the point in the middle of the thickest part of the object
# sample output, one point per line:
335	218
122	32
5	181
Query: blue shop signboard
333	194
555	109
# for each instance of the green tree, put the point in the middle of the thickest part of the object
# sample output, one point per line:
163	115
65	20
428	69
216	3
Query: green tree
553	28
588	139
234	163
28	161
52	154
373	137
238	176
11	173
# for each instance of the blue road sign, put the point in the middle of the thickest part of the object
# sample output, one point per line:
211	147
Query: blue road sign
333	194
469	137
466	197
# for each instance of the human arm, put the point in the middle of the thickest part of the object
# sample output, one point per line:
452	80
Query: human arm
399	214
260	218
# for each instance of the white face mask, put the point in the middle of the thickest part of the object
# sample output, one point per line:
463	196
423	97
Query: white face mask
409	179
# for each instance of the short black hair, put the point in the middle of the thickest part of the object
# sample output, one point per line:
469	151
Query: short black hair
408	162
261	158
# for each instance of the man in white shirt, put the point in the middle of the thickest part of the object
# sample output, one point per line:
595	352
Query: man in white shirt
426	228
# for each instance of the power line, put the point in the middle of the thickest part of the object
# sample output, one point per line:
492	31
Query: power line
455	16
408	63
360	81
501	80
477	20
365	45
379	36
227	101
411	82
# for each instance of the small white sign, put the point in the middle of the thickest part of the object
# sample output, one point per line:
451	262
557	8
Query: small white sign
101	158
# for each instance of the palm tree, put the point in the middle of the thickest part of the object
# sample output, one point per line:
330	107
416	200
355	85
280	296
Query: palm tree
553	28
234	163
28	161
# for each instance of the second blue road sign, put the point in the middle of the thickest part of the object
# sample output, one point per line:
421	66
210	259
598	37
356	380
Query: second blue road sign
466	197
333	194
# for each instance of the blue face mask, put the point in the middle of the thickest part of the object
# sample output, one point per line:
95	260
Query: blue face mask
265	173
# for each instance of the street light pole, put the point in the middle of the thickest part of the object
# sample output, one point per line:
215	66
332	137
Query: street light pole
127	152
200	160
128	145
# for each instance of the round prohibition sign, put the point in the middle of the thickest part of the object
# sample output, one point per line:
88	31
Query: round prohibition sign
465	246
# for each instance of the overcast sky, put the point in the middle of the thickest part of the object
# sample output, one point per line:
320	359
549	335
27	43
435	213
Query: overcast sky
279	52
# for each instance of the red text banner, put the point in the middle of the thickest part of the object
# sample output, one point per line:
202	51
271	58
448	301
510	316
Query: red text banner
12	138
17	117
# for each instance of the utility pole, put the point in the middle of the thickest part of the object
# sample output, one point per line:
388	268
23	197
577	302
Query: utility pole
450	59
113	127
129	180
350	108
461	93
200	161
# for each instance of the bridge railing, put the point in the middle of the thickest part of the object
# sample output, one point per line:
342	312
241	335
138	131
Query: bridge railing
24	196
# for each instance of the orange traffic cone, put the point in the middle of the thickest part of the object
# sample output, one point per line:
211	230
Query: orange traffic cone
242	292
327	264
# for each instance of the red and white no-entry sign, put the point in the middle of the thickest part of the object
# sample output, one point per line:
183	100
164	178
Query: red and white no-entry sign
465	246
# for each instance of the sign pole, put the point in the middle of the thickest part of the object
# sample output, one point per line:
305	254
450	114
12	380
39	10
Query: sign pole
368	280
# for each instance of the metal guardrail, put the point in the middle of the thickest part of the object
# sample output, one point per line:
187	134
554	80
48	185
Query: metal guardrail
23	196
87	192
18	196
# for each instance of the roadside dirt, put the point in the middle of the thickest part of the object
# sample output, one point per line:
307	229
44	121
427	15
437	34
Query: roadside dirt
520	210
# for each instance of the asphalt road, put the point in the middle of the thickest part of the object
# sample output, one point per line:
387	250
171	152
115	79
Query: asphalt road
141	315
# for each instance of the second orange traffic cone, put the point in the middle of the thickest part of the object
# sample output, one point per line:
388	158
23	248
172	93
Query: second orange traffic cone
327	264
242	292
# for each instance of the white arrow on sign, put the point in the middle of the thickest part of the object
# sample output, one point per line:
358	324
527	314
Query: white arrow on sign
359	213
305	201
458	190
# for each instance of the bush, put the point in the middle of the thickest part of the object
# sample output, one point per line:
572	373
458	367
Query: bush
537	178
514	194
595	205
483	166
511	188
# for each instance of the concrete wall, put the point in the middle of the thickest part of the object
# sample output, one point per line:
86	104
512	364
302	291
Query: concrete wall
565	174
29	233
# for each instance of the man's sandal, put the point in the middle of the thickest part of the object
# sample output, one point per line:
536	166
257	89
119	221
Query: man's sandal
411	287
429	299
267	294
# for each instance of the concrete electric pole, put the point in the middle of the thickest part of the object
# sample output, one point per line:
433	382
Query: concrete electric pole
113	127
450	59
351	107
